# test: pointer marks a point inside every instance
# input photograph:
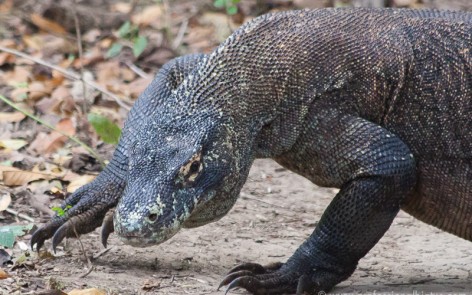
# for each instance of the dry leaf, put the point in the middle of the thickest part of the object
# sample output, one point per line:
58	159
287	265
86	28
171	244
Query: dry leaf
150	15
33	41
148	285
18	76
49	143
37	90
12	144
6	6
6	168
12	117
79	182
91	291
3	274
122	7
47	25
5	201
6	58
66	126
15	178
137	87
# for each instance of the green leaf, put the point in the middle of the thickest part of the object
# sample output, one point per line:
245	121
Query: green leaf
60	211
10	232
219	3
108	131
125	29
114	50
231	10
139	45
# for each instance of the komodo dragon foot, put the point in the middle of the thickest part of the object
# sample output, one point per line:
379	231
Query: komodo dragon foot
279	278
84	211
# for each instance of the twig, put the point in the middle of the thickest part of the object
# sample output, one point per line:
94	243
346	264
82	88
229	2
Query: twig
68	74
79	46
137	70
74	139
95	256
246	196
89	263
21	215
180	34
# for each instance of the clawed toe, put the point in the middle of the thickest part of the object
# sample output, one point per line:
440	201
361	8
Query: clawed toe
107	227
256	268
259	279
75	222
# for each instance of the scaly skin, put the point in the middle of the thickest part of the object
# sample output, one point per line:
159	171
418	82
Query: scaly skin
374	102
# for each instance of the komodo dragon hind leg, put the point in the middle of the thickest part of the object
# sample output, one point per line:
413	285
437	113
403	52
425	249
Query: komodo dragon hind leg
375	171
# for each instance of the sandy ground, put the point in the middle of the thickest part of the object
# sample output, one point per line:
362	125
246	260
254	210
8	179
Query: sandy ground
277	210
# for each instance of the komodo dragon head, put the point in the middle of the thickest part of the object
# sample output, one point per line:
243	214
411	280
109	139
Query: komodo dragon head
182	173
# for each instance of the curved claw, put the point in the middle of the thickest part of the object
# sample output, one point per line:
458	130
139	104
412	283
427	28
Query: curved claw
60	234
45	232
254	284
306	286
248	282
107	227
232	276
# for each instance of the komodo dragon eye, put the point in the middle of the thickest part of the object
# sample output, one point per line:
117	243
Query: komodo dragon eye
189	172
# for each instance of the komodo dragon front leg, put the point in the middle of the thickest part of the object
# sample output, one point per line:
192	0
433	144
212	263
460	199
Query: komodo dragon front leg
90	203
375	171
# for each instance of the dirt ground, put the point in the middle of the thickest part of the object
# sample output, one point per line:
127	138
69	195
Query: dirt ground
277	210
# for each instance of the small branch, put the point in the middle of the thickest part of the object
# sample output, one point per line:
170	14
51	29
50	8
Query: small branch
21	215
68	74
89	263
95	256
79	46
180	34
246	196
137	70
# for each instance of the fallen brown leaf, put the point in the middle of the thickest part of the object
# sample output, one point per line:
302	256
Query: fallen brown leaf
49	143
5	201
148	285
16	178
20	74
12	144
3	274
150	15
37	90
6	58
6	168
79	182
47	25
12	117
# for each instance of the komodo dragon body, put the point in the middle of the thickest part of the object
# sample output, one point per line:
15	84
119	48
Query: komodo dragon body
375	102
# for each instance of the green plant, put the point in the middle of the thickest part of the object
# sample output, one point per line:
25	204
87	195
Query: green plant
128	33
108	131
229	5
60	211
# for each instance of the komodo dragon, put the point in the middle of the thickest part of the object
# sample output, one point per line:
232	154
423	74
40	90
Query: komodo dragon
374	102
